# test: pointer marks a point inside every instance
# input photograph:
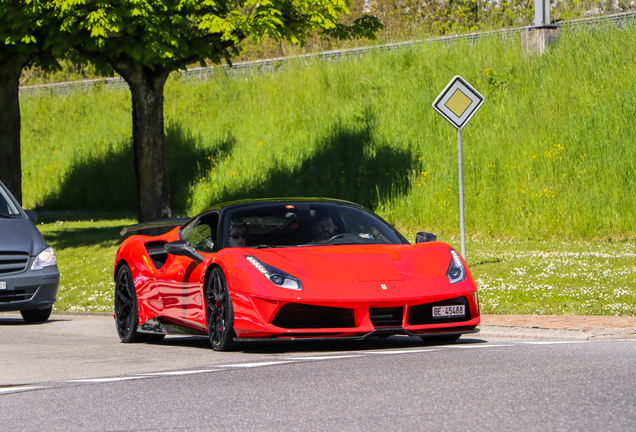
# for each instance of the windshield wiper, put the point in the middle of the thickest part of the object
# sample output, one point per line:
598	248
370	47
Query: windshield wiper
8	216
267	246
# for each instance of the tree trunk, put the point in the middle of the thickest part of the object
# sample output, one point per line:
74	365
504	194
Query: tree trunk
10	160
153	192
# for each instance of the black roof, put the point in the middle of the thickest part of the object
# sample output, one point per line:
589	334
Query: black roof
238	203
251	201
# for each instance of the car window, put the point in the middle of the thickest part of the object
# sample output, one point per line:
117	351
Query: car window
7	206
367	226
202	232
299	223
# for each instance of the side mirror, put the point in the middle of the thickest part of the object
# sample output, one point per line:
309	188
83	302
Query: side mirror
423	237
183	248
32	216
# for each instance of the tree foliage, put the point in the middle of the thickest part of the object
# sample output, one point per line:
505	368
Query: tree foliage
437	17
29	34
172	34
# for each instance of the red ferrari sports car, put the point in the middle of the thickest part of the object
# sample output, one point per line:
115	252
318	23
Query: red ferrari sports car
294	268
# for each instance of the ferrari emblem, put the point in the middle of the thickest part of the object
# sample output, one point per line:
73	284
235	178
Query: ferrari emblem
383	286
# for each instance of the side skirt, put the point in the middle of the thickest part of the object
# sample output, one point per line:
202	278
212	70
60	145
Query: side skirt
154	326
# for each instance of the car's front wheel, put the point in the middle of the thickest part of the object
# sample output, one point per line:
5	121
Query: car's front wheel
38	315
220	314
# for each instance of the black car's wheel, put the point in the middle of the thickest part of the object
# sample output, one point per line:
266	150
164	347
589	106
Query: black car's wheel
38	315
126	312
441	338
220	313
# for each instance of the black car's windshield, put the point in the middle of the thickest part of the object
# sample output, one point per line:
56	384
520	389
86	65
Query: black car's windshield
7	206
285	224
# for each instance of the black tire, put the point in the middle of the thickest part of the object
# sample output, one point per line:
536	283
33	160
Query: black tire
219	312
126	310
37	315
441	339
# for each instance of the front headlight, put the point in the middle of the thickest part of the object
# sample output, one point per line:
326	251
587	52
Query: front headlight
276	276
46	258
456	272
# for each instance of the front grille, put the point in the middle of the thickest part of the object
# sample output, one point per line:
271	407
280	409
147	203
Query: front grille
386	317
12	262
18	294
295	316
423	314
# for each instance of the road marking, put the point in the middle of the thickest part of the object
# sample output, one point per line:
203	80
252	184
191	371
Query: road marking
324	357
287	360
402	351
104	380
475	346
18	389
251	365
552	342
176	373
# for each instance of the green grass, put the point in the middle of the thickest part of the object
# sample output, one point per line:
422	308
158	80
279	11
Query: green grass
555	278
550	154
517	277
85	245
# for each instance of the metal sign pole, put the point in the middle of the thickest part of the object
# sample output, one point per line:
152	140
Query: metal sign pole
460	152
457	103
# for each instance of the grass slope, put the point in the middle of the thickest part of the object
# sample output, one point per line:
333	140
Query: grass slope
549	154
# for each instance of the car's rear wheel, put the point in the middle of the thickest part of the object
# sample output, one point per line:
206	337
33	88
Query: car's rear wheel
220	313
126	309
38	315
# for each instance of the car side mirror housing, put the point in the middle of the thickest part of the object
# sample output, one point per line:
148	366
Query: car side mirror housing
32	216
183	248
423	237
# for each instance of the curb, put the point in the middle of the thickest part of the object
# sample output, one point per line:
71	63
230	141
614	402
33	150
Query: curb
546	333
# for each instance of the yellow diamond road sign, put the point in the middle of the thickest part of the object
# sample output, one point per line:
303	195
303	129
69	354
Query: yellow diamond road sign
458	102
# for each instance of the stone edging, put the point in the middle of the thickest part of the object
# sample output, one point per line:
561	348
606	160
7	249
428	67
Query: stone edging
574	334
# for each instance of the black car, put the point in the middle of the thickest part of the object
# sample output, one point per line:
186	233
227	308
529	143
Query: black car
29	277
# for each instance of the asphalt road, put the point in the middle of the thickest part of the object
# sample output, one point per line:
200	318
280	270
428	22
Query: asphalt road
73	374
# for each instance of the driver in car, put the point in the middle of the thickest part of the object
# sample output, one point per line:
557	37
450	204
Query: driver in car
324	229
238	235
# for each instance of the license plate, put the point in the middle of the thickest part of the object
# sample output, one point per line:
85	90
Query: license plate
3	285
448	311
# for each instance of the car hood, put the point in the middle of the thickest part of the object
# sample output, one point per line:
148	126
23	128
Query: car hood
366	263
20	235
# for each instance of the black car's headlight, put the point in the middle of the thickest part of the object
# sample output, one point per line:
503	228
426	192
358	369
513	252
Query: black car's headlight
276	276
46	258
456	272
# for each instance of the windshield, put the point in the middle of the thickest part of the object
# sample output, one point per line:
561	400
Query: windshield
304	224
7	206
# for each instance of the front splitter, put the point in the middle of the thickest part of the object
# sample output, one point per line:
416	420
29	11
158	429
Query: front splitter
383	331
